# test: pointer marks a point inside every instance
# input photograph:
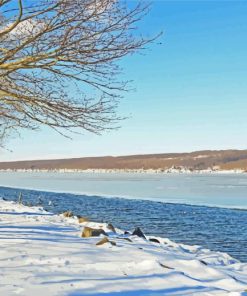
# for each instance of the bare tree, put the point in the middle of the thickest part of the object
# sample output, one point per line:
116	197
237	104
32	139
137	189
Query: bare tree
58	62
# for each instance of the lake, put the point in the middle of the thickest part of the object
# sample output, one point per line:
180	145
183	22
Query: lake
201	209
223	190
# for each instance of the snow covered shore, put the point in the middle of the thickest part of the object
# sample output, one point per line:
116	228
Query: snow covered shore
171	170
44	254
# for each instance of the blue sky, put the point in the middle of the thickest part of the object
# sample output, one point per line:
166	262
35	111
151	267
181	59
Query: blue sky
191	90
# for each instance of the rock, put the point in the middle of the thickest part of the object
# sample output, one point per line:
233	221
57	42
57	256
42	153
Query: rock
127	232
104	241
165	266
203	262
111	227
154	240
88	232
68	214
82	219
138	232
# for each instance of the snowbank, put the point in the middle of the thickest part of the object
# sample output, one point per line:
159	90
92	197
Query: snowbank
44	254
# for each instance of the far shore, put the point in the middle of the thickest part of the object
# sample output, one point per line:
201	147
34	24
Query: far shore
134	171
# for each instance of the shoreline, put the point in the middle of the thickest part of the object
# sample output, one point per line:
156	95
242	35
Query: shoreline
127	171
49	256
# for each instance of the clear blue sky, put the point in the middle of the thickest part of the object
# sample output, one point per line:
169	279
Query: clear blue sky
191	90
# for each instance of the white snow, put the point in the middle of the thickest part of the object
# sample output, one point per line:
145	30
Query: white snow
44	254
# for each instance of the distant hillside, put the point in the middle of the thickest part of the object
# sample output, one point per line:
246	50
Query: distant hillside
199	160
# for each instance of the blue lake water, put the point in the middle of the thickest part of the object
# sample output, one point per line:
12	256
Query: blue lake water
191	209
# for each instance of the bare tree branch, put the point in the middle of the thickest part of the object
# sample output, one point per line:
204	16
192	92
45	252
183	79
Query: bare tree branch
58	62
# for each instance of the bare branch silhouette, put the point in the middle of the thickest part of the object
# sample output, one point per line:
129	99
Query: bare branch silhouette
58	62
